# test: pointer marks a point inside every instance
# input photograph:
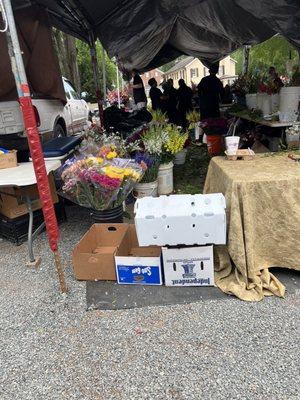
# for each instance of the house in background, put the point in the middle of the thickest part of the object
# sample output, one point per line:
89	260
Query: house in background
192	71
154	73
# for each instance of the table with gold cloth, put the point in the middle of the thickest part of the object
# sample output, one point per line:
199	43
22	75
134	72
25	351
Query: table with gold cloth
263	222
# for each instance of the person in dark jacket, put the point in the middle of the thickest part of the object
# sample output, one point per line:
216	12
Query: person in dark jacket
172	98
155	94
210	91
139	94
185	95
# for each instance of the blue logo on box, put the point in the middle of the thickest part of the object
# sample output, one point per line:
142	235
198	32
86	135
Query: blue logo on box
139	274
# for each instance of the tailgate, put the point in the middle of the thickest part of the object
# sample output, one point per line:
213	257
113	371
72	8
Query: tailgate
10	118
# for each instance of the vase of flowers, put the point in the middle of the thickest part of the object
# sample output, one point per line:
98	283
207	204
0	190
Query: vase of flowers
100	184
193	118
148	185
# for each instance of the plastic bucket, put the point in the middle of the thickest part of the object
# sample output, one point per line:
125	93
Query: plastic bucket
214	144
289	99
165	179
232	145
251	101
180	157
113	215
145	189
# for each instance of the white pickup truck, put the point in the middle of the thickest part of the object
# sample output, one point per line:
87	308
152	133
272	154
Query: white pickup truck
53	117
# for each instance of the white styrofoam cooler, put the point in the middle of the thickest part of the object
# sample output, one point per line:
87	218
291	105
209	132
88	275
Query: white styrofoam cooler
181	220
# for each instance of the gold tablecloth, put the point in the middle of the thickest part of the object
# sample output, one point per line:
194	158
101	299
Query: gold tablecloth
263	221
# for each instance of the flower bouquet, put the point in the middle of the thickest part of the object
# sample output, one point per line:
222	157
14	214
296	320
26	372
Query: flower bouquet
158	117
98	184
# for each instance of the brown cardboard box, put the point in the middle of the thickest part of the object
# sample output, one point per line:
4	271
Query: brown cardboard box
8	160
13	207
93	257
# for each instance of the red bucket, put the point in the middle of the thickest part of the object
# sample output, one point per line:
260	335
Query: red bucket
214	144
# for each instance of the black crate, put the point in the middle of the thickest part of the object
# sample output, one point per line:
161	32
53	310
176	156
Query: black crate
16	230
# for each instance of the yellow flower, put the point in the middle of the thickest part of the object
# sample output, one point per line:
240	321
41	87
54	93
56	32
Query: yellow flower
111	154
114	172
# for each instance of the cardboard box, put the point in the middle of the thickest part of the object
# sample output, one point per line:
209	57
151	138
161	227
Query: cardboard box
93	257
8	160
181	220
137	265
188	266
13	203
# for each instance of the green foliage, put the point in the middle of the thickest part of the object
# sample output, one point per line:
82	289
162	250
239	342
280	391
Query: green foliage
273	52
86	71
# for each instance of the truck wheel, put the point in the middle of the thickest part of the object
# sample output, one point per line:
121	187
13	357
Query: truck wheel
59	131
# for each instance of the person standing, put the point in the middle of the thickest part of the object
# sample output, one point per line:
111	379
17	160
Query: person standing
211	92
185	95
139	94
172	98
155	94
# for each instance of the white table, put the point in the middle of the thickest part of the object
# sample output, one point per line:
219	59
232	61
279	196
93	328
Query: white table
271	124
21	176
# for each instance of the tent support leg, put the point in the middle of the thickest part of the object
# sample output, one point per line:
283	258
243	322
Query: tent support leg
94	60
246	54
103	72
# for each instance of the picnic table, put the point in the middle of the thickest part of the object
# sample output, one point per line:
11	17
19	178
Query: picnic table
263	217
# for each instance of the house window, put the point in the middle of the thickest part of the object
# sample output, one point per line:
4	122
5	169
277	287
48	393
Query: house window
194	73
204	71
222	70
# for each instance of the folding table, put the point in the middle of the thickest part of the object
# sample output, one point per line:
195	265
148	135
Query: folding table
21	176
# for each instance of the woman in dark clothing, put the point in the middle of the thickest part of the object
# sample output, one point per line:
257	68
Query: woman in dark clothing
210	91
185	95
155	94
172	98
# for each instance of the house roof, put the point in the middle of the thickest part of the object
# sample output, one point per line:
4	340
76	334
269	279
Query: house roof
180	64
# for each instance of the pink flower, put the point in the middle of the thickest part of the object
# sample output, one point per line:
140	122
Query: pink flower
105	181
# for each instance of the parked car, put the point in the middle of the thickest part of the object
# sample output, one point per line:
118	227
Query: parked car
53	117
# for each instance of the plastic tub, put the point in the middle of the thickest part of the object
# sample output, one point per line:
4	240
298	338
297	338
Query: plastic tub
146	189
180	157
232	145
214	144
251	101
289	99
113	215
165	178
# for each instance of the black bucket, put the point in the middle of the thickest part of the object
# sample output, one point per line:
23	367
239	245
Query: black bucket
113	215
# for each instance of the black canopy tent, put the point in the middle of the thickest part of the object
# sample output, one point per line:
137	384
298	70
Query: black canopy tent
143	34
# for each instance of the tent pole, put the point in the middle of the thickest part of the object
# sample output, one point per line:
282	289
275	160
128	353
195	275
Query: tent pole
246	54
94	60
103	73
118	86
33	138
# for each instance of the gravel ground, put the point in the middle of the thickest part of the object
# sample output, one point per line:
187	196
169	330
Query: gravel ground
51	348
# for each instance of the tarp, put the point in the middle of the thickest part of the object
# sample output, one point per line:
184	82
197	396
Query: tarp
40	60
147	33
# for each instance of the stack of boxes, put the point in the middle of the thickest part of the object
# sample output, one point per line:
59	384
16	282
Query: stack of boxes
171	242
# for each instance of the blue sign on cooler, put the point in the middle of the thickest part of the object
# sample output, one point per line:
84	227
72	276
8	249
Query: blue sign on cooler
139	275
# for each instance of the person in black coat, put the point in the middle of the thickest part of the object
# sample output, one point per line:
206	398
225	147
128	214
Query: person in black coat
172	99
155	94
211	92
185	95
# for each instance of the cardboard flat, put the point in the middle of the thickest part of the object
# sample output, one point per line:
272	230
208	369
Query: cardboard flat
137	265
12	199
8	160
93	256
188	266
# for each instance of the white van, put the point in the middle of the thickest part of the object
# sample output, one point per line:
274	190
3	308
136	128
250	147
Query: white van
53	117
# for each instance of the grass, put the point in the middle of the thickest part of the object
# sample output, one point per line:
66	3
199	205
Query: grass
190	177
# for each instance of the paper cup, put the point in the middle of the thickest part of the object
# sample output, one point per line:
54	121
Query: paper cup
232	144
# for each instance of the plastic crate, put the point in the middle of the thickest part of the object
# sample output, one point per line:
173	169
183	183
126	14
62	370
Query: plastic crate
16	230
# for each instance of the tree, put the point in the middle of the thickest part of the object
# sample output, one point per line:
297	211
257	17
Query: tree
86	72
273	52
